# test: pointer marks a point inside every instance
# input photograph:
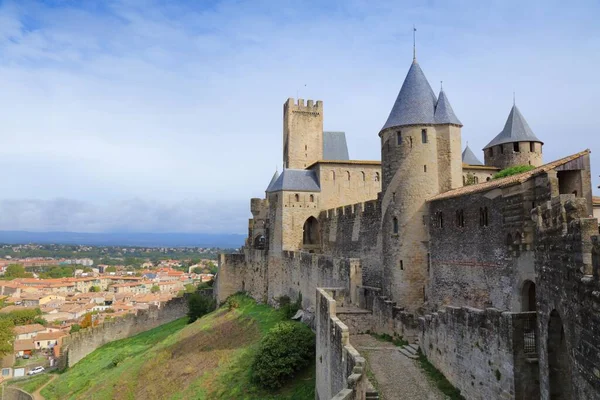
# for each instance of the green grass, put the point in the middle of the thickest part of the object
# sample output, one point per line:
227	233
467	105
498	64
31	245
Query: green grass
517	169
439	379
384	337
32	384
209	359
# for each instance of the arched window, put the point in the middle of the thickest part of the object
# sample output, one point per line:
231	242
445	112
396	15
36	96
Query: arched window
395	225
363	175
333	175
528	296
348	175
516	147
439	218
297	197
460	218
476	179
311	198
312	233
424	135
483	216
376	176
399	138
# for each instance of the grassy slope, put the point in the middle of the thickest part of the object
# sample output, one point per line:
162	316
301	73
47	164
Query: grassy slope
32	384
209	359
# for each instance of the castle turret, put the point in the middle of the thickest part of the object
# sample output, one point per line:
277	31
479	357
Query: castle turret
302	133
421	157
515	145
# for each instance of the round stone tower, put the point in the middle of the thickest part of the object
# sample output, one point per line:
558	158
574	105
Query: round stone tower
421	157
515	145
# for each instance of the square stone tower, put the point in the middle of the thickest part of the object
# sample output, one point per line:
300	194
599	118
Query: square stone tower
302	133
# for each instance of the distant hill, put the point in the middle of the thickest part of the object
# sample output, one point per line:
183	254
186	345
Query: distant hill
125	239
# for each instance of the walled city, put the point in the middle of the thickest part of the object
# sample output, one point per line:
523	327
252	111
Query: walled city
495	279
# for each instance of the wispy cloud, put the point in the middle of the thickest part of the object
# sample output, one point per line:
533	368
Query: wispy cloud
179	103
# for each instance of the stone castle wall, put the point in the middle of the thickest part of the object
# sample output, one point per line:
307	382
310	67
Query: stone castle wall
481	352
568	288
354	231
294	274
504	155
80	344
341	370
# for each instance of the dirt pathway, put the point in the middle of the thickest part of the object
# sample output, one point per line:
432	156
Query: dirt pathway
36	395
398	376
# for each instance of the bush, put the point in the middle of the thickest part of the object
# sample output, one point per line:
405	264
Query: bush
232	303
75	328
286	349
288	308
116	360
198	306
513	171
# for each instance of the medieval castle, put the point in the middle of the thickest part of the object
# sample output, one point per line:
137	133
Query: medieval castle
498	280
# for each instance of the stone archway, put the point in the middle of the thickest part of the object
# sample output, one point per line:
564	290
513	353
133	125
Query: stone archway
559	369
311	235
528	296
259	242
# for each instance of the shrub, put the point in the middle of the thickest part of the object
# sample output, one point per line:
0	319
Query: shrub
198	306
116	360
513	171
232	303
75	328
286	349
288	308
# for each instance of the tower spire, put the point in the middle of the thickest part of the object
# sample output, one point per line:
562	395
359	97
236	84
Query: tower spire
514	99
414	43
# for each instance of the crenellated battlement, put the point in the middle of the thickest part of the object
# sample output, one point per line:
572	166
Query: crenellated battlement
299	105
351	210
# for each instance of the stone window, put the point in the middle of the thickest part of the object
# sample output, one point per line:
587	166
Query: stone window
395	225
363	175
483	216
297	197
333	175
439	218
393	196
311	198
399	138
424	135
476	179
401	265
460	218
516	147
410	140
376	176
501	149
491	152
424	168
532	147
348	175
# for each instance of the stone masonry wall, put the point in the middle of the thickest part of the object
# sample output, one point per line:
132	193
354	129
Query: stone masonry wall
354	231
14	393
480	352
80	344
267	278
341	370
568	264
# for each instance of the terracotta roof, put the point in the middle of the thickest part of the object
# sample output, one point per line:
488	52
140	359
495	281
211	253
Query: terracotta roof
23	329
9	309
483	167
509	180
26	344
50	336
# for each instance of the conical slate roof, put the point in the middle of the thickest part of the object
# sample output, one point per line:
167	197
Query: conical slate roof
516	129
443	111
468	157
299	180
273	180
415	104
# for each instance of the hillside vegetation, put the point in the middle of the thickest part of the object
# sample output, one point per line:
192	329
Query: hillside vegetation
209	359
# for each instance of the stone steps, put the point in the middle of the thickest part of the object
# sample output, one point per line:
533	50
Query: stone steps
410	351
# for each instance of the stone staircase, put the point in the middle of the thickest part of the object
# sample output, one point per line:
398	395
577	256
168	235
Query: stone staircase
410	350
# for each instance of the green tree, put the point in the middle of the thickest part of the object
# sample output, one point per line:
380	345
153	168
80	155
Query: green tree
110	269
23	317
197	270
154	289
16	271
75	328
470	180
88	269
7	337
95	289
198	306
212	268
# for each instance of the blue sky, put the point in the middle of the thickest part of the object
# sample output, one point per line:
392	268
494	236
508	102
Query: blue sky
166	116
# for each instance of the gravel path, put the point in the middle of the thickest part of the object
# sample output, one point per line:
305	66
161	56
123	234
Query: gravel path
37	395
398	376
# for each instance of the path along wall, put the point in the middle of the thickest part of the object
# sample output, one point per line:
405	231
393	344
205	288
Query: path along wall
341	370
268	277
80	344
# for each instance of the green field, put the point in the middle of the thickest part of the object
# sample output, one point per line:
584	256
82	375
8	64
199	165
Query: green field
32	384
209	359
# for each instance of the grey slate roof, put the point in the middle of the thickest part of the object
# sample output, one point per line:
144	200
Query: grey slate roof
415	103
273	180
468	157
443	111
297	180
334	146
516	129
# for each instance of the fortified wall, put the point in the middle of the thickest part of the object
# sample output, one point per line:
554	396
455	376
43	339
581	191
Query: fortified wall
568	298
355	231
268	277
486	354
80	344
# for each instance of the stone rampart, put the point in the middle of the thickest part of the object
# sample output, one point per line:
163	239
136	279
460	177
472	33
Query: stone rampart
14	393
483	352
268	277
80	344
341	370
355	231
